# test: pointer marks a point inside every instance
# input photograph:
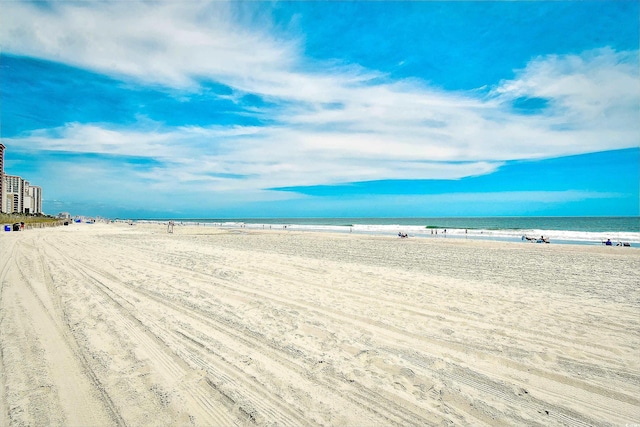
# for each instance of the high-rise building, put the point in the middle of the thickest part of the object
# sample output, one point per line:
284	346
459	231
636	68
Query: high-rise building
16	194
2	147
13	194
32	199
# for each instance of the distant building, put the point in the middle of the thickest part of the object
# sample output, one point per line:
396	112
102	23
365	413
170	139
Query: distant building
16	194
2	147
32	200
13	194
20	196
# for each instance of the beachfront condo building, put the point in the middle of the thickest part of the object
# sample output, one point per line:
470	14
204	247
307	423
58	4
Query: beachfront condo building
16	194
32	200
13	194
2	147
20	197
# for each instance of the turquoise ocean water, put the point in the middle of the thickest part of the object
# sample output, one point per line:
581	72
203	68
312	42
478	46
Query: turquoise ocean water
588	230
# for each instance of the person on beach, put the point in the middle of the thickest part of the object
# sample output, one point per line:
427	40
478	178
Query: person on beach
608	242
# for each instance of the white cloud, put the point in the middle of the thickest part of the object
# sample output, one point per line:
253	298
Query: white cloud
170	43
334	123
594	99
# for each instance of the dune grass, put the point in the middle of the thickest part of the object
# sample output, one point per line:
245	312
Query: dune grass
27	219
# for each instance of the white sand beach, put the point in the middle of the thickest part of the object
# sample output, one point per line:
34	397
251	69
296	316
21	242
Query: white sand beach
114	325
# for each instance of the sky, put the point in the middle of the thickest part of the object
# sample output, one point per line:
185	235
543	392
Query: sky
194	109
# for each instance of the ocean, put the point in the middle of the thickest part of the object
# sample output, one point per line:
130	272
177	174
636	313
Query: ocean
582	230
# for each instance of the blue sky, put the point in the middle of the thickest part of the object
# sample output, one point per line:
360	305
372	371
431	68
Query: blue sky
271	109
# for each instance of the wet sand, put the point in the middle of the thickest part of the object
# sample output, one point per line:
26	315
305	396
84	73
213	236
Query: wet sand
129	325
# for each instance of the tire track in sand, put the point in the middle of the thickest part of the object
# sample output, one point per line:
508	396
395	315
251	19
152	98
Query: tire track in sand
334	389
57	379
463	350
248	330
183	393
256	400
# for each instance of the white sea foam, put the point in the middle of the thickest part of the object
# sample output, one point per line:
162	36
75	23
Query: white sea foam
554	236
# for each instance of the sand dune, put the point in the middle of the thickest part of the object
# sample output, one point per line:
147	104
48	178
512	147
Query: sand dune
128	325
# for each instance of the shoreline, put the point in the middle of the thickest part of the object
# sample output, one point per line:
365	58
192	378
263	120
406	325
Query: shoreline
555	236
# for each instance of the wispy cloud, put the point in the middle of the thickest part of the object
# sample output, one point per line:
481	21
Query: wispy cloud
593	98
170	43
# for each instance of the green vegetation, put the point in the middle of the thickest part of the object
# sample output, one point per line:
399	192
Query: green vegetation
27	219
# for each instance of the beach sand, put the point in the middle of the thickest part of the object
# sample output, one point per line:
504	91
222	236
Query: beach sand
110	324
